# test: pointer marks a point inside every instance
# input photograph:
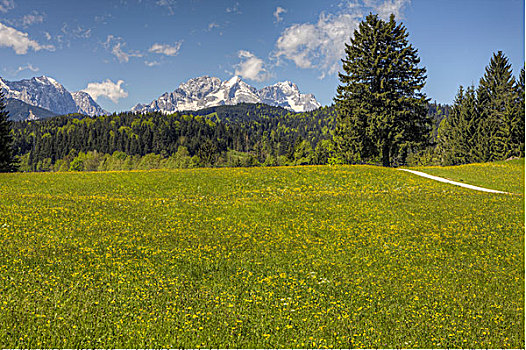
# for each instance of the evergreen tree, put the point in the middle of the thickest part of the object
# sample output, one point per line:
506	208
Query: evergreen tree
382	115
7	161
497	96
446	133
457	134
518	135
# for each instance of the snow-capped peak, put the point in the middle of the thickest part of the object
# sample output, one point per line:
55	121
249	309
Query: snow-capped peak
51	80
287	86
286	83
4	86
46	92
48	81
86	104
233	81
204	92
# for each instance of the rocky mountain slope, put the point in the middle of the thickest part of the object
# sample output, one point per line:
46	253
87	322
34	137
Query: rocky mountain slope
19	110
204	92
47	93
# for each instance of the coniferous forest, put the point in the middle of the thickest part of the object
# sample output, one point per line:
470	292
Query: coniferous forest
380	117
241	135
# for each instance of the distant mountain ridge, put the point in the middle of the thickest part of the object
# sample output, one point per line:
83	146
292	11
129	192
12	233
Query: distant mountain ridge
48	98
19	110
205	91
86	104
47	93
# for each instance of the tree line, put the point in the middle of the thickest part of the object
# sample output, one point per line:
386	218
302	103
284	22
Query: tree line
486	123
382	117
218	138
241	135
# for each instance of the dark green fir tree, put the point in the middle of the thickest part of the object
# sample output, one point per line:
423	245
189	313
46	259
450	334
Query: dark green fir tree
382	113
500	124
457	134
518	136
7	161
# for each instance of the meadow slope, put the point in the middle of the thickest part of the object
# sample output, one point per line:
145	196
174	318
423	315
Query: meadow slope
317	256
507	176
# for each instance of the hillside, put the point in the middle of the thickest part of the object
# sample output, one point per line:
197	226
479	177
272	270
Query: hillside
242	112
503	176
294	257
19	110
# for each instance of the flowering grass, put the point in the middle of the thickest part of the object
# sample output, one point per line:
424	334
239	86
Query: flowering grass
350	256
507	176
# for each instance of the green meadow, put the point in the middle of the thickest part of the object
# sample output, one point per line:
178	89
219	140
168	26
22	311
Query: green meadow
286	257
507	176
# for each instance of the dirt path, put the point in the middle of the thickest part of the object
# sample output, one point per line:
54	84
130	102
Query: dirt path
441	179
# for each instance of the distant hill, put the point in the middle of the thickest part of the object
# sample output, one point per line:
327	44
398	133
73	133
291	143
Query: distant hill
241	112
19	110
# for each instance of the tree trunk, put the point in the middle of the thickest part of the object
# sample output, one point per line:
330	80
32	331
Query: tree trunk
386	161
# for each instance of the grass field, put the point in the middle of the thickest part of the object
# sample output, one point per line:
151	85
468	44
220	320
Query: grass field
350	256
507	176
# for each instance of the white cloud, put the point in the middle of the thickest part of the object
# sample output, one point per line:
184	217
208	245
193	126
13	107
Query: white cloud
32	18
70	34
28	66
76	33
251	67
388	7
321	45
27	20
168	5
212	26
103	18
6	5
166	49
108	89
152	63
118	52
234	9
116	46
19	41
278	12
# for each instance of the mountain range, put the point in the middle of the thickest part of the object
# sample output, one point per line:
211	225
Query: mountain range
47	93
205	91
43	97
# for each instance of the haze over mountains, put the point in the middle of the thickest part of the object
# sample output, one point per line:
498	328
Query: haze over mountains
42	97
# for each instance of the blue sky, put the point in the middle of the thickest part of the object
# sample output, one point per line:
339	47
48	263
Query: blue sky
128	51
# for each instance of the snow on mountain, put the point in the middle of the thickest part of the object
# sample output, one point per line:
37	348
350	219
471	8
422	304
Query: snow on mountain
46	92
204	92
86	105
286	94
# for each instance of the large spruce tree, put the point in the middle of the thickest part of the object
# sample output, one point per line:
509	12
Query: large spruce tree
518	136
382	115
500	130
457	134
7	162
